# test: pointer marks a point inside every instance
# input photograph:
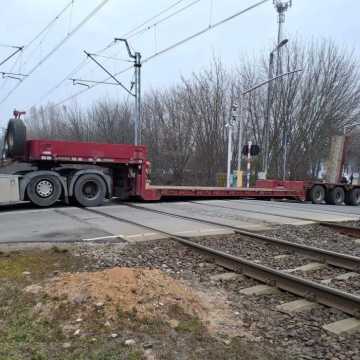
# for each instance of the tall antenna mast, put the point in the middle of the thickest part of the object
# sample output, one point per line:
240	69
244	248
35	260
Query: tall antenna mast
281	7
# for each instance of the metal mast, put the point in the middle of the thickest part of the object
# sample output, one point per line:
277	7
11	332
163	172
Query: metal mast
137	65
230	124
281	8
136	60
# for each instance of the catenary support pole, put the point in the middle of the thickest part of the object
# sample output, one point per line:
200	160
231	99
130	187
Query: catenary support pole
240	143
281	7
137	64
137	98
229	155
267	118
248	175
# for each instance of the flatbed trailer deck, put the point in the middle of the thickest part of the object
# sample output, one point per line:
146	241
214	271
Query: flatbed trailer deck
88	173
166	192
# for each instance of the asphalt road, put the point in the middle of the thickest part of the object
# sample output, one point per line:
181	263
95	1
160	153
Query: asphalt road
25	223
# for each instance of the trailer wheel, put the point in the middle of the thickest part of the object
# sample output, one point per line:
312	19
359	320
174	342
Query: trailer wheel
44	190
336	196
353	197
90	190
317	194
15	138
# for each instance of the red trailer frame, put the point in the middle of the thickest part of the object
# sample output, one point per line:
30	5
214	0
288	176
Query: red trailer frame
124	169
54	153
90	172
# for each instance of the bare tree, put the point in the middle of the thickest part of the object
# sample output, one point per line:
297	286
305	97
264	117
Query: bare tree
184	126
308	108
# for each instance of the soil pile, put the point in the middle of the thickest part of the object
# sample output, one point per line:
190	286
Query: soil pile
147	293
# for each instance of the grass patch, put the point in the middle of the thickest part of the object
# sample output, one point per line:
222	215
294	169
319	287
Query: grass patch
193	325
135	355
38	263
36	327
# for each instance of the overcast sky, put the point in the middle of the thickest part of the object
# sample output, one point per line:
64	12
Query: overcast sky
251	34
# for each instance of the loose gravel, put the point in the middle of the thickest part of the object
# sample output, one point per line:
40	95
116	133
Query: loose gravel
300	334
266	254
255	250
317	236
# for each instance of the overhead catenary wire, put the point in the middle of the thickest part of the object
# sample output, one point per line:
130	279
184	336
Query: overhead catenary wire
71	16
171	47
12	69
46	30
9	46
37	36
128	33
58	46
84	62
3	61
154	25
211	11
50	24
110	57
76	69
203	31
91	86
125	35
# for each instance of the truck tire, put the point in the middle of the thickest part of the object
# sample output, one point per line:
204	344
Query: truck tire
44	190
335	196
15	141
317	194
353	197
90	190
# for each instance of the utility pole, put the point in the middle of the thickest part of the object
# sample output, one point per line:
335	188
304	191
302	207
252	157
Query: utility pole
281	8
240	128
268	106
137	65
2	143
229	154
136	57
268	81
230	125
237	114
248	165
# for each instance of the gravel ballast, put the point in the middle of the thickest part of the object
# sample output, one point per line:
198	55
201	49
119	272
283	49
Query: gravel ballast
317	236
299	334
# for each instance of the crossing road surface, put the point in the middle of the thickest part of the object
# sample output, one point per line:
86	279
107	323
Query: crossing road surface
24	223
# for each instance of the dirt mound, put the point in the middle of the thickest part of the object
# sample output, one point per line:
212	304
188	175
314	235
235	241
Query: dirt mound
147	293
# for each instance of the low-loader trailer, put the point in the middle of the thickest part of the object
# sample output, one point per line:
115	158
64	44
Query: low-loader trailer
89	173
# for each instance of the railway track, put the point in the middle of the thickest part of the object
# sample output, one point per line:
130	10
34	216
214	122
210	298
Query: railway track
343	229
340	228
344	301
344	261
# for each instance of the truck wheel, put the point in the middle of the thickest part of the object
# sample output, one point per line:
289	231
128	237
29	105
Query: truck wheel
90	190
44	190
353	197
336	196
317	194
15	138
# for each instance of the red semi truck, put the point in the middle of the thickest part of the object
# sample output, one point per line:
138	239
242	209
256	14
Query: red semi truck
88	173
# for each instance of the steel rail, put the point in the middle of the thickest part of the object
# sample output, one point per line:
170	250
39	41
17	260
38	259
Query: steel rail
343	229
344	261
322	294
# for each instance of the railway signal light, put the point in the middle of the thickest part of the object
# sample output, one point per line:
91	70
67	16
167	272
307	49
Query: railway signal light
254	150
